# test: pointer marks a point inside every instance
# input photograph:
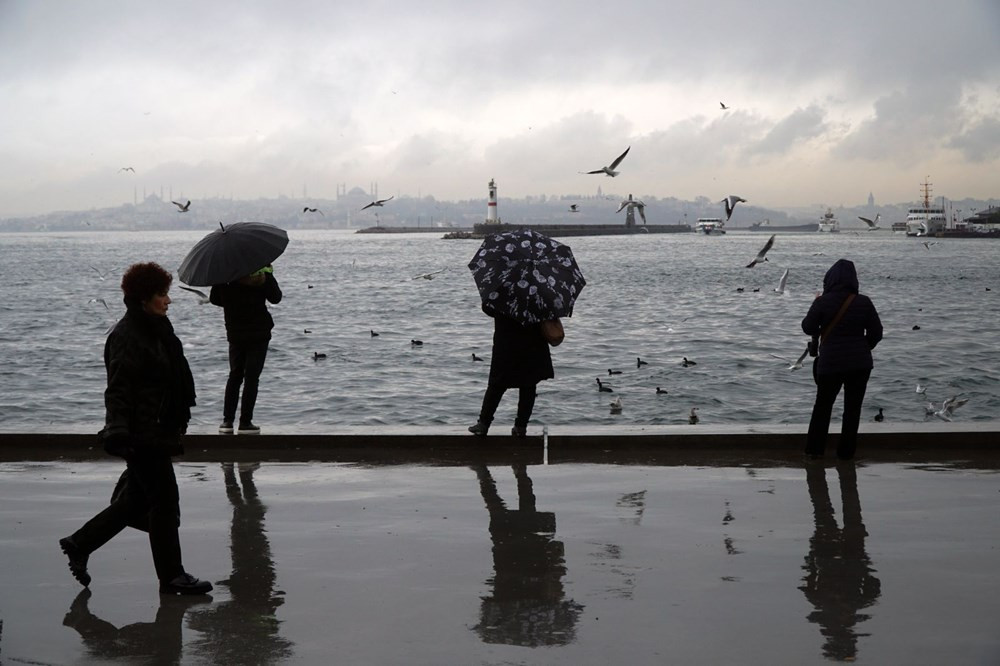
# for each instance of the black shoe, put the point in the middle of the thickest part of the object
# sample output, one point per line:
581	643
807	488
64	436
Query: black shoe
480	429
226	428
185	584
248	429
519	432
77	560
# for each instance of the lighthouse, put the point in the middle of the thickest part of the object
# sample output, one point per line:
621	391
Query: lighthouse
491	205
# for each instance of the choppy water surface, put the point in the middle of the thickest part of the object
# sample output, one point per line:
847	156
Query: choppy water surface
660	297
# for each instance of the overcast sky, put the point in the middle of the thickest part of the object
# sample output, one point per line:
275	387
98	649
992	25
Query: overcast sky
829	100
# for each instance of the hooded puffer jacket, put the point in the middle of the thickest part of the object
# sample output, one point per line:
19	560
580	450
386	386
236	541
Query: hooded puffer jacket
848	346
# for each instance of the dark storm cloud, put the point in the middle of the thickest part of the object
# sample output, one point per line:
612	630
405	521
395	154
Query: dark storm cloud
800	125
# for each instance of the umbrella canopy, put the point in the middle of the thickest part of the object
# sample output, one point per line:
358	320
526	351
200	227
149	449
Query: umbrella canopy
527	276
231	253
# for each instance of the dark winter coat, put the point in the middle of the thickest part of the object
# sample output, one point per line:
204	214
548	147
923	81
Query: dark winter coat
849	344
150	389
247	318
520	354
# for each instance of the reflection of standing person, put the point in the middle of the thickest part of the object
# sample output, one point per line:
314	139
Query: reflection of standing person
845	356
520	360
248	329
527	605
148	404
839	579
245	629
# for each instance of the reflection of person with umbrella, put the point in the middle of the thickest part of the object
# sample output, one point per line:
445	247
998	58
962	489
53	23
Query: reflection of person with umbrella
230	261
524	279
527	605
839	579
245	629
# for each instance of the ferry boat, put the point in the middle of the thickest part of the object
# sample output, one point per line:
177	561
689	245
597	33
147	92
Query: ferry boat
899	227
828	223
767	226
926	220
710	226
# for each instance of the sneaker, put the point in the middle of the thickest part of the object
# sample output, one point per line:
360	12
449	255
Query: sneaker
77	560
248	429
185	584
226	428
518	432
480	429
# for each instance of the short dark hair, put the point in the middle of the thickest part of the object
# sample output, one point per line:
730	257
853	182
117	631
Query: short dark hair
144	280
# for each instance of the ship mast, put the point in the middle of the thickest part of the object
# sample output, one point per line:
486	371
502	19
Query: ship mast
925	187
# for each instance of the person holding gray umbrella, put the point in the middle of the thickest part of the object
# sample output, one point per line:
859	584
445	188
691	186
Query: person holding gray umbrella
527	281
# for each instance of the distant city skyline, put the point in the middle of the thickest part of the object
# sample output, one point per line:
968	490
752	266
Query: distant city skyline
785	104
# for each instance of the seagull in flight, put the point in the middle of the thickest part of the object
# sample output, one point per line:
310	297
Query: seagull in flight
948	407
798	362
126	169
101	301
723	106
731	202
307	209
183	207
100	275
780	289
633	203
760	255
872	224
427	276
573	208
610	169
202	296
378	202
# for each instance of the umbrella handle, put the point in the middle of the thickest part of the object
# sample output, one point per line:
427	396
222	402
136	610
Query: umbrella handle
223	228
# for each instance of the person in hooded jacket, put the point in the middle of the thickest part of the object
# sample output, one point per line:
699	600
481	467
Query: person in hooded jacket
520	360
248	330
148	402
844	359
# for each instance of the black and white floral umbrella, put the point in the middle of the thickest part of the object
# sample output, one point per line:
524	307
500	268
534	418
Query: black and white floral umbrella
526	276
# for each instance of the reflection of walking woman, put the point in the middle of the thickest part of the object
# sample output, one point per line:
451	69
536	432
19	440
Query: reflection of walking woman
845	356
148	405
248	329
520	360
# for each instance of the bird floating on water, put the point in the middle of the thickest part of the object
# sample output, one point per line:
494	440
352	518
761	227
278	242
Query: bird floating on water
921	389
687	362
610	169
614	372
317	356
731	202
616	405
639	362
476	358
183	207
378	202
880	416
374	334
602	388
693	416
763	251
661	391
416	343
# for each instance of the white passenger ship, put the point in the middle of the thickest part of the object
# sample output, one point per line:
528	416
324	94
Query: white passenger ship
926	220
828	223
711	226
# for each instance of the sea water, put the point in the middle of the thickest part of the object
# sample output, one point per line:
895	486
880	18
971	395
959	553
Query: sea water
656	297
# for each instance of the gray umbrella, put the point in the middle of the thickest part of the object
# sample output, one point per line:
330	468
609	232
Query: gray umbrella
231	253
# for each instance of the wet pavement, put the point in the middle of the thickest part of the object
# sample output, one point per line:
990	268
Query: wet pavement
575	563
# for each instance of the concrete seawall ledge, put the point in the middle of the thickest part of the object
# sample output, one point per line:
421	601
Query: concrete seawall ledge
670	444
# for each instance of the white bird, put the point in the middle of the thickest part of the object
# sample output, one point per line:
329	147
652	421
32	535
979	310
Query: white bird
872	224
760	255
633	203
378	202
731	202
693	416
921	389
101	301
427	276
616	405
610	169
781	283
202	296
948	407
100	275
183	207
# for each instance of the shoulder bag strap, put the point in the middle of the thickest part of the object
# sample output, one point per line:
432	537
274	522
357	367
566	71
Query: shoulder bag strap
836	320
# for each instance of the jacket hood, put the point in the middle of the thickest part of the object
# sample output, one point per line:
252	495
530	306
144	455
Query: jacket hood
842	276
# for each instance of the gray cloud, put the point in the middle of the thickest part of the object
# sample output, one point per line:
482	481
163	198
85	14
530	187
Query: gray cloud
800	125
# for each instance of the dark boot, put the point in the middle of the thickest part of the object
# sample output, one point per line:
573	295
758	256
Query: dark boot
480	429
518	431
77	560
185	584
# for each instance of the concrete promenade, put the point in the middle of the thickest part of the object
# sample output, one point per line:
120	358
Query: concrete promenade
413	546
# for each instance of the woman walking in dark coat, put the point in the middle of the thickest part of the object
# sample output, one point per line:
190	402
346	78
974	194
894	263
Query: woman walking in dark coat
520	360
148	404
248	329
845	356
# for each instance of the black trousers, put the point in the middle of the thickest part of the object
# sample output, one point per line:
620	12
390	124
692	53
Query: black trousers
150	499
246	362
525	403
828	387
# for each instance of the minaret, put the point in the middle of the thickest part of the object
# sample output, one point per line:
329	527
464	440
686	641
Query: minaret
491	205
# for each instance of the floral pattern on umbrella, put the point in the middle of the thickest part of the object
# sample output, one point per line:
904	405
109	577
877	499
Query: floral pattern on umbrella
526	276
